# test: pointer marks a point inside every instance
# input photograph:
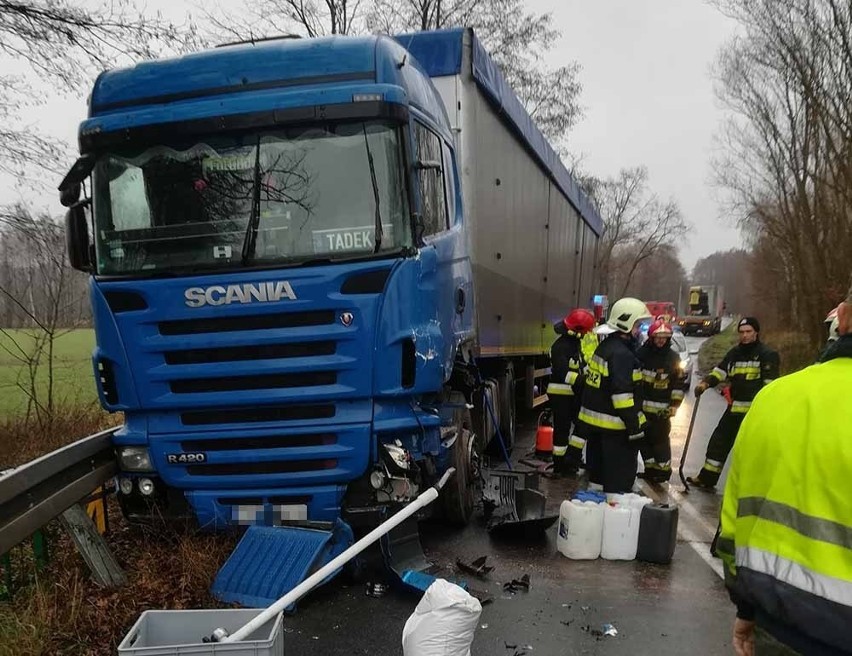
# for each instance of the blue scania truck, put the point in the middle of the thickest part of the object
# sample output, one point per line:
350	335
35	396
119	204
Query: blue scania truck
322	272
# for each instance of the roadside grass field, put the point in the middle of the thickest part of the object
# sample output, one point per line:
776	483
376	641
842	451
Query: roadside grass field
74	381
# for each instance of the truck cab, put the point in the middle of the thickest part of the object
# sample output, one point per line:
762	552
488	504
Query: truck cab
279	281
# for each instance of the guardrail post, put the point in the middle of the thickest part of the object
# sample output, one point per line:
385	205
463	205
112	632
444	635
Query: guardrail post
41	553
92	546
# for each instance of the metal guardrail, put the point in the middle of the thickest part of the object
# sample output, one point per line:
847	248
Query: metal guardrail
39	491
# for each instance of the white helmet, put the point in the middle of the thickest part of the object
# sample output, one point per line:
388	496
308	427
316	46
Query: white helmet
624	314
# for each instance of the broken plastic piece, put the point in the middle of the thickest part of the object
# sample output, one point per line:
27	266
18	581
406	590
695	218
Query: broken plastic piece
476	567
609	630
374	589
514	585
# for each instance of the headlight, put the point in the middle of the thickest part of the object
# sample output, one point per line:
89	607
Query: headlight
134	458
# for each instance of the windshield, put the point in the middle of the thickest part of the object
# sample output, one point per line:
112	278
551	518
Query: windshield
251	200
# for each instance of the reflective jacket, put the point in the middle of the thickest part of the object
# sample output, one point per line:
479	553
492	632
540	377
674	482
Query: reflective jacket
611	398
566	366
662	378
786	536
748	367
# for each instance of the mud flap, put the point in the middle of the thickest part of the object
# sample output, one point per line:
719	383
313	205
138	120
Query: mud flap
513	504
403	555
269	561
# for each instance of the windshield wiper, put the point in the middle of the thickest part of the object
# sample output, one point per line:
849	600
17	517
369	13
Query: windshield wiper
250	238
377	236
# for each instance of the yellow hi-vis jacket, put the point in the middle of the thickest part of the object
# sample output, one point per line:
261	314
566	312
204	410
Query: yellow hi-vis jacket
786	536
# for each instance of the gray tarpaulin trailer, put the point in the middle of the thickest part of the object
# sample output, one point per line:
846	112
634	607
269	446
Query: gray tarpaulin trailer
533	233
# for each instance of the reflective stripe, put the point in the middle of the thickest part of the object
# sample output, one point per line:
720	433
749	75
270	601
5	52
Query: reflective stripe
601	420
649	376
677	395
571	377
816	528
740	407
599	364
796	575
576	442
656	405
622	401
559	450
637	375
560	389
719	373
665	466
713	465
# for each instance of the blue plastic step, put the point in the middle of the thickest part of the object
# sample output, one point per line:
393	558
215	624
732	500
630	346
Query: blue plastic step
269	561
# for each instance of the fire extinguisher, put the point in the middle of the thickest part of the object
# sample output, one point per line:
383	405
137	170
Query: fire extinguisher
544	434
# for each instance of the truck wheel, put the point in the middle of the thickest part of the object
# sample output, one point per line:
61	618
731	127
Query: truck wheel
507	406
459	495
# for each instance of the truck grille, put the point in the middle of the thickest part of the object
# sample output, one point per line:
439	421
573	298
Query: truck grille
244	353
265	442
267	467
255	382
252	322
252	415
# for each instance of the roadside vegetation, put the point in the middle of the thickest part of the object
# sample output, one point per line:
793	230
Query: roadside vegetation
60	611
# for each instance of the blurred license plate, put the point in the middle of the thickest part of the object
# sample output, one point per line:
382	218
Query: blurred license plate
275	515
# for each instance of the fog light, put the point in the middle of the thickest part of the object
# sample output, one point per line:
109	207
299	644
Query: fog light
377	480
125	485
146	486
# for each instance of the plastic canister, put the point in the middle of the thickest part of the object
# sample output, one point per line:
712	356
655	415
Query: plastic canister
620	532
580	531
657	533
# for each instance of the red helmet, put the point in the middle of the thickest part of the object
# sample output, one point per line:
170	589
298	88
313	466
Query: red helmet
579	321
661	328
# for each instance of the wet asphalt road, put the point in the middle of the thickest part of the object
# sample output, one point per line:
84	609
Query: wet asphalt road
676	609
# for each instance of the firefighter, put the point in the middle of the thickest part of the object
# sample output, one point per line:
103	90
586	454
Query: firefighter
748	367
611	418
567	374
662	394
786	536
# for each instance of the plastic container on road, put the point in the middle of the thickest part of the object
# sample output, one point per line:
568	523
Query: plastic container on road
657	533
580	531
620	532
181	632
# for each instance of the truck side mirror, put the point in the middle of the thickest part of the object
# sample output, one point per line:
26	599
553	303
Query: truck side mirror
70	194
77	238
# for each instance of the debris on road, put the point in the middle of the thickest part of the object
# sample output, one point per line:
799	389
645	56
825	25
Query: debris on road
513	506
609	630
515	585
375	589
477	567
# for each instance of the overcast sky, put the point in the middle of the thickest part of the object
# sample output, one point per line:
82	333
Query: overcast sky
647	93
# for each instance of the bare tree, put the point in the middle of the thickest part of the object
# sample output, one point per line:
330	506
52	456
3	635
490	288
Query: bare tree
67	45
661	277
516	38
637	225
266	18
788	165
44	296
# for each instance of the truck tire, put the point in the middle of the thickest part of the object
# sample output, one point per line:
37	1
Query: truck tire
507	406
459	495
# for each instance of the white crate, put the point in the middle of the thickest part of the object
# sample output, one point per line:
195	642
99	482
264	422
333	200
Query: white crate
180	632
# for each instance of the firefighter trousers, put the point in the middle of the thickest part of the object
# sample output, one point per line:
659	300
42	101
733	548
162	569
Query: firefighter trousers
567	450
611	460
656	448
721	443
